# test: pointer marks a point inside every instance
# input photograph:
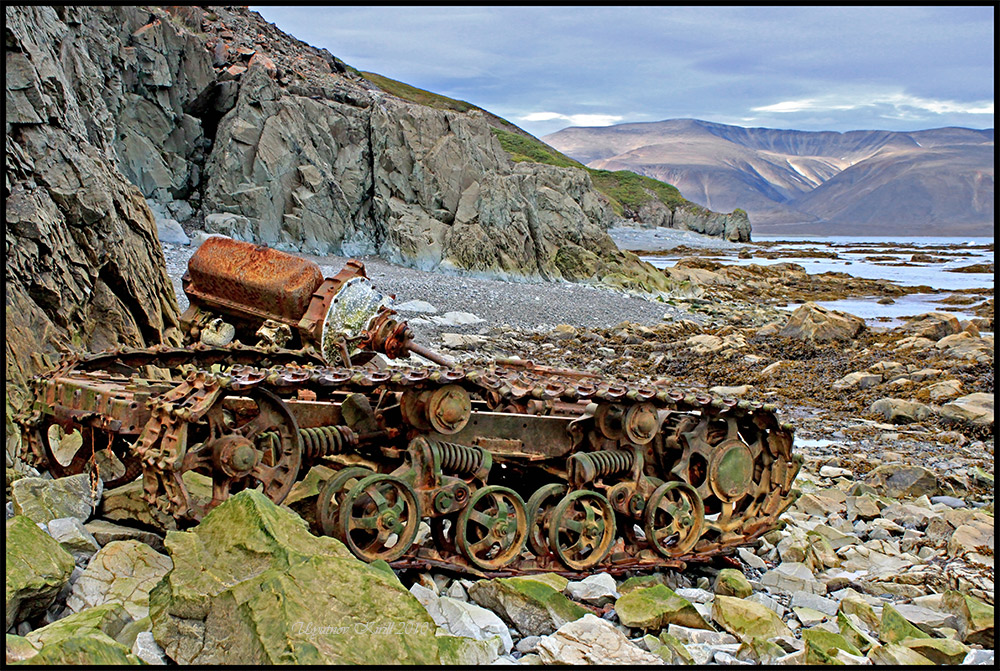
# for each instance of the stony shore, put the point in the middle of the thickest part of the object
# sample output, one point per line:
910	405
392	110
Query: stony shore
886	558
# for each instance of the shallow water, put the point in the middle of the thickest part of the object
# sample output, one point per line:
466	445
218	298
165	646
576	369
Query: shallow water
854	259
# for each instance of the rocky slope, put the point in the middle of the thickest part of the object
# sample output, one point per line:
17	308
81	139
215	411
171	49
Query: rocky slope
217	119
932	182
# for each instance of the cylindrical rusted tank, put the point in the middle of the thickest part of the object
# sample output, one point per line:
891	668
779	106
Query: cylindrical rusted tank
244	280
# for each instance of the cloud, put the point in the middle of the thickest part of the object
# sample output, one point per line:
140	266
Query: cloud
902	103
573	119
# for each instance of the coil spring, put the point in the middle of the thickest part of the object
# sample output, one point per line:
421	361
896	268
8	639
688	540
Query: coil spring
458	458
587	466
318	441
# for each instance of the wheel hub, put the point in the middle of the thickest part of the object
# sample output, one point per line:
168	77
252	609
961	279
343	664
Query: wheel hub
235	455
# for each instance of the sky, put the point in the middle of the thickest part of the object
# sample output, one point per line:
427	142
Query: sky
811	68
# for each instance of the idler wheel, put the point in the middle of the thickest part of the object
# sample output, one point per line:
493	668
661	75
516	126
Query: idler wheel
675	518
492	528
582	529
259	446
331	495
540	507
379	518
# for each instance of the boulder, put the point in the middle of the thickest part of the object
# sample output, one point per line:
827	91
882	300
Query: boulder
592	640
895	628
975	618
653	608
250	585
894	654
70	533
36	569
105	532
19	649
974	409
746	619
965	346
122	572
597	589
730	582
817	324
44	500
533	607
899	411
932	325
464	619
789	577
938	650
88	638
900	480
126	503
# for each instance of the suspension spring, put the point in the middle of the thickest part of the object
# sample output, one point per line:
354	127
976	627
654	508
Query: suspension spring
588	466
457	458
319	441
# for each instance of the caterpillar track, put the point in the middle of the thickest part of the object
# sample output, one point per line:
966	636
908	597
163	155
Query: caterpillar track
515	468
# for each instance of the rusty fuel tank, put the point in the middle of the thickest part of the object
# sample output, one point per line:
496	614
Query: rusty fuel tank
283	299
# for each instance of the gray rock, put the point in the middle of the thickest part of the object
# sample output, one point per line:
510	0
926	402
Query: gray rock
123	571
949	501
815	602
105	532
591	640
415	306
71	534
979	657
44	500
598	589
528	644
146	649
472	621
170	231
974	409
900	411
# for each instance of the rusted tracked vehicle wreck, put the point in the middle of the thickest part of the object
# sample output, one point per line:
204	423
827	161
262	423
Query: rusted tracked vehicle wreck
517	468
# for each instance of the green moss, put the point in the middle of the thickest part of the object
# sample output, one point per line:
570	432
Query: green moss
414	94
526	148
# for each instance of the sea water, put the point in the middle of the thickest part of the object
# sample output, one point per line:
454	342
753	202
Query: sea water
854	258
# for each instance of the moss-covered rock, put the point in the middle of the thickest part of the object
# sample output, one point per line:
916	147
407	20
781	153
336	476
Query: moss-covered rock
975	618
829	642
669	648
894	654
938	650
731	582
92	648
851	629
653	608
251	585
42	499
108	619
641	581
854	604
747	619
534	607
36	568
19	649
895	628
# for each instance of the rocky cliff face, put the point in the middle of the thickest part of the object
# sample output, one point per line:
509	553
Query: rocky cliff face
734	226
222	121
84	266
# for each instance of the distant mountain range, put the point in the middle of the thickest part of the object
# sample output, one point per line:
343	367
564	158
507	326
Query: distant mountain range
929	182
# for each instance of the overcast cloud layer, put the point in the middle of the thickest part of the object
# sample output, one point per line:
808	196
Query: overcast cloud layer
803	68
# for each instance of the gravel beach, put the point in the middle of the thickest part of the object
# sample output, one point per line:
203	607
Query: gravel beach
528	305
